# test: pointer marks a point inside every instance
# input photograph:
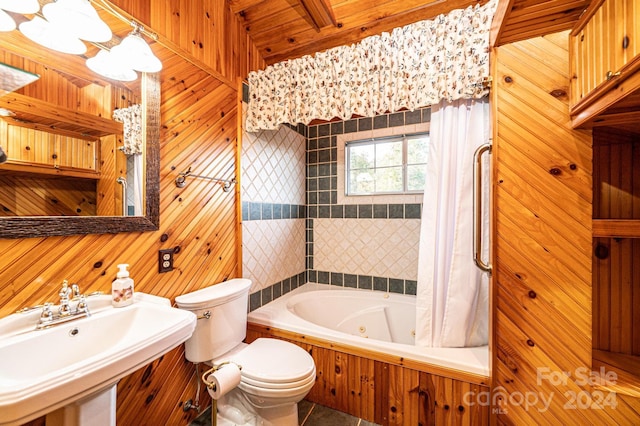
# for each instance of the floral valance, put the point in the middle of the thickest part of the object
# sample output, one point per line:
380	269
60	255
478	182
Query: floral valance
131	119
413	66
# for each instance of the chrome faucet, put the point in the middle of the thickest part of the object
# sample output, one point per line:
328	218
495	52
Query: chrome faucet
66	311
65	291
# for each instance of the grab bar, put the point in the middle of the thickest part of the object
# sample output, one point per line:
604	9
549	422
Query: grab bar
122	181
477	207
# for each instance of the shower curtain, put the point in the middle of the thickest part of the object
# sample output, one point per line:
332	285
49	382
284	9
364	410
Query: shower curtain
452	293
138	185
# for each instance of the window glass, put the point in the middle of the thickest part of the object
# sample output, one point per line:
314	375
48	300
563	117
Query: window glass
393	165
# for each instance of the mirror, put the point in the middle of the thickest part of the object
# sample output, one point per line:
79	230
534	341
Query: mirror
46	120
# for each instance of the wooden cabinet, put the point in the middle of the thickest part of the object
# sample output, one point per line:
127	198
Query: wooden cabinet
29	148
605	65
605	96
49	139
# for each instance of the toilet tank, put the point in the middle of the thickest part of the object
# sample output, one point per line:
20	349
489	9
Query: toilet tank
226	327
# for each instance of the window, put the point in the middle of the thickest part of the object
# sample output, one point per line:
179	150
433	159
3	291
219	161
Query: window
392	165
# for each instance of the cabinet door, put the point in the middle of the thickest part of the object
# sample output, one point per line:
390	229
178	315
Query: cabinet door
632	28
36	147
604	45
76	153
27	146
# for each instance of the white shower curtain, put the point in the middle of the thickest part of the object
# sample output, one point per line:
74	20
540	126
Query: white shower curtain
452	293
138	185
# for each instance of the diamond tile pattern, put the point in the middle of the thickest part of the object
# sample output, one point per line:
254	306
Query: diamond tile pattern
273	166
272	250
376	247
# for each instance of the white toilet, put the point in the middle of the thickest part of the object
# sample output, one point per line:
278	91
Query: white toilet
275	374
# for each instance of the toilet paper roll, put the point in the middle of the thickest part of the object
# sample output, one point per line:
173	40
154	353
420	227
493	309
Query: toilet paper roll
223	380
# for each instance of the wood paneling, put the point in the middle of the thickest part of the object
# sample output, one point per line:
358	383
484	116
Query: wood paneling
59	102
616	270
198	219
206	30
28	144
543	250
603	43
519	20
388	394
281	29
198	129
605	59
31	195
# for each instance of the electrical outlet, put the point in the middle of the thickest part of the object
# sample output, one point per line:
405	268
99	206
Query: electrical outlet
165	260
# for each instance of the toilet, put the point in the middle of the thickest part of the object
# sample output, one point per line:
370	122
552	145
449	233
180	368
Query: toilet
275	375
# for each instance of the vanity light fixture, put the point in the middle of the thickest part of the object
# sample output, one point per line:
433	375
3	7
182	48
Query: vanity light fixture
6	22
67	22
105	65
135	53
20	6
79	18
51	36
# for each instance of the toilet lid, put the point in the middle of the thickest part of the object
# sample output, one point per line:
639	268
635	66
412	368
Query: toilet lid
272	361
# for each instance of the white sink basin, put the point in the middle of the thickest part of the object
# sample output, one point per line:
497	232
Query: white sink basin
43	370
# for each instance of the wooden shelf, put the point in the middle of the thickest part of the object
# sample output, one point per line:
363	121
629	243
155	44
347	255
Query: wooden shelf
626	369
16	168
616	228
35	111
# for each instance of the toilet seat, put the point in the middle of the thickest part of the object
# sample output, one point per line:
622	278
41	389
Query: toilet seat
271	364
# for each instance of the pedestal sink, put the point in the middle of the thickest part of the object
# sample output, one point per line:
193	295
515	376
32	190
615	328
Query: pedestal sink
70	371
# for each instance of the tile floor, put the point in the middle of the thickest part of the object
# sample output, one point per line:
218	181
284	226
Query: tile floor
309	414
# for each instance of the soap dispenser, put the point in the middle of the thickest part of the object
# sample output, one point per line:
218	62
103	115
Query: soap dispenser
122	288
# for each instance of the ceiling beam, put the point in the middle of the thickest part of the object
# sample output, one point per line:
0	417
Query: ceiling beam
499	18
319	12
345	36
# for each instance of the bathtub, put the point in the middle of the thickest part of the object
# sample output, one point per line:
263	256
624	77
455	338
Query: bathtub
371	320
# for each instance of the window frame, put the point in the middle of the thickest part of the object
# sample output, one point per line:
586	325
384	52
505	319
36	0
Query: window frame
404	137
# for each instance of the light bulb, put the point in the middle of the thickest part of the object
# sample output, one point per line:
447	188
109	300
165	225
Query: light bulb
80	18
104	64
136	53
52	36
20	6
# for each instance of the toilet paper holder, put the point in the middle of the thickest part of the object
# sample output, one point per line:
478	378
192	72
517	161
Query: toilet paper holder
210	385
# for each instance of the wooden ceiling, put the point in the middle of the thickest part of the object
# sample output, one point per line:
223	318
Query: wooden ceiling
518	20
287	29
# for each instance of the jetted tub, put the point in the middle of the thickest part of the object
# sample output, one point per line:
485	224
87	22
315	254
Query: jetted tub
371	320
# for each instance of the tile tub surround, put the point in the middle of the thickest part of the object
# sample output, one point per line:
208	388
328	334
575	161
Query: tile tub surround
273	211
365	282
376	247
272	251
272	165
363	238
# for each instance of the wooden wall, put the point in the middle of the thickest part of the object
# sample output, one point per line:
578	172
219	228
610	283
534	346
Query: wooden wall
543	245
363	385
205	30
198	129
32	195
50	146
63	90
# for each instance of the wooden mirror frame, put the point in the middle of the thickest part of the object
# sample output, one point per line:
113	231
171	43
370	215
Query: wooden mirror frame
46	226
